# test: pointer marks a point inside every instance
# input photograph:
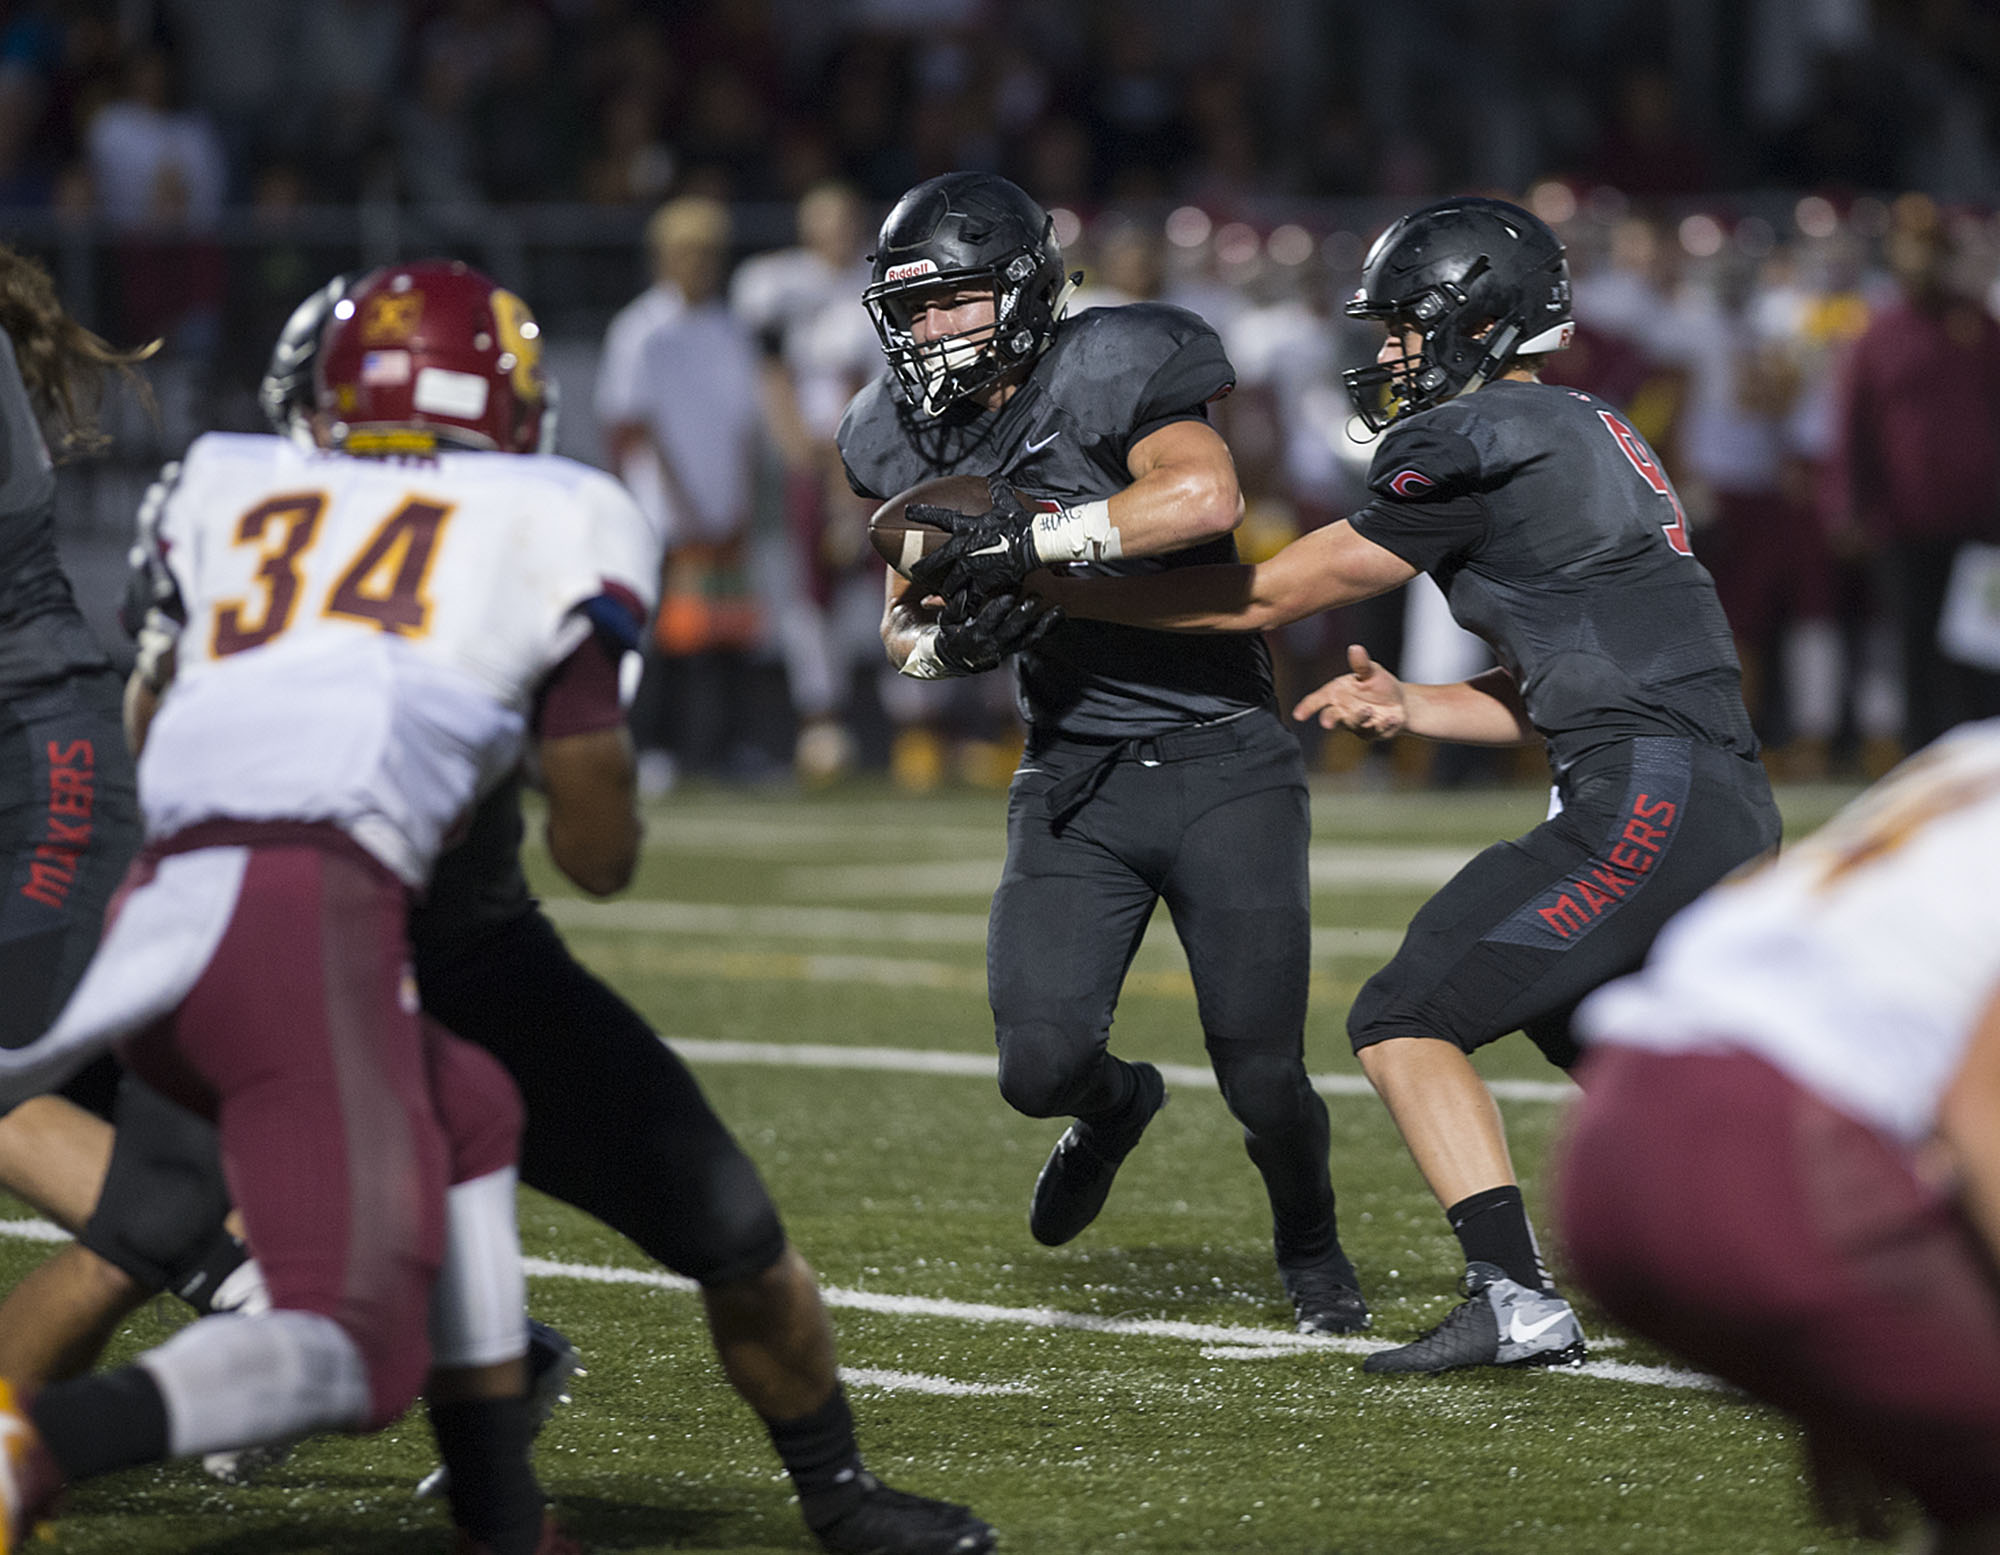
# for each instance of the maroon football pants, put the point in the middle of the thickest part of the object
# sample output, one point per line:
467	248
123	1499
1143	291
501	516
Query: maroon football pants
343	1114
1716	1207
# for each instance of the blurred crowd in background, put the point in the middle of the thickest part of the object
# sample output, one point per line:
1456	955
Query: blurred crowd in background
685	190
1229	103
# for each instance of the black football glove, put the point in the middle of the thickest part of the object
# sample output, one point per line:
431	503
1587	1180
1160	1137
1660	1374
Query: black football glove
987	553
974	638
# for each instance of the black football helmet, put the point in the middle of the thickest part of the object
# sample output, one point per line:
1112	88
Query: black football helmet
966	229
285	394
1482	281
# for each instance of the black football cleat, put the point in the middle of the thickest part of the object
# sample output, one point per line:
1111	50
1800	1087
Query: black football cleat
552	1361
866	1517
1076	1179
1326	1296
1499	1323
553	1541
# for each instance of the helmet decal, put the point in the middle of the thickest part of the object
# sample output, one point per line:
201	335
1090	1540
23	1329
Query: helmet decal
520	338
389	319
385	367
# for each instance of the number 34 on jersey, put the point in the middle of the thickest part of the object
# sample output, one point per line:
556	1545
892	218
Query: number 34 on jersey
474	559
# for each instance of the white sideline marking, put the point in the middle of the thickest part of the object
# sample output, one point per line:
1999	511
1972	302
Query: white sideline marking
1221	1339
819	1055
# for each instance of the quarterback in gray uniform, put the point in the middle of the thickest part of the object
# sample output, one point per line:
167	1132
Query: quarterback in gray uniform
1156	768
1558	539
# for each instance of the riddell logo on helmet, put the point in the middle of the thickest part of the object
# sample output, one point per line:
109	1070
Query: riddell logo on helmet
914	267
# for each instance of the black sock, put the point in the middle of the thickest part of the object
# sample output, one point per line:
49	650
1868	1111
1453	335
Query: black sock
115	1420
197	1280
1493	1228
819	1452
495	1497
1114	1096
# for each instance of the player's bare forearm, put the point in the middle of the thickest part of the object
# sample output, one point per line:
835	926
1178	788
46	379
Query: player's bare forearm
905	620
1183	492
1188	599
142	701
1318	571
1968	1128
594	827
1486	710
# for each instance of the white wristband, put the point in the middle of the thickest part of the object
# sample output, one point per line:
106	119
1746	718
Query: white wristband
923	662
1083	533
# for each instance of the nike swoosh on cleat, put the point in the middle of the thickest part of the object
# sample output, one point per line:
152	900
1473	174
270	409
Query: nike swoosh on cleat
1035	448
1519	1332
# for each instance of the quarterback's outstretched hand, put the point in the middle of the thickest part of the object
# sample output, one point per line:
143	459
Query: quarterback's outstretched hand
987	552
1368	700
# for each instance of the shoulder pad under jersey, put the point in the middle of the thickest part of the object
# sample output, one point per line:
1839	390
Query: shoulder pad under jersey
1117	368
875	441
1425	458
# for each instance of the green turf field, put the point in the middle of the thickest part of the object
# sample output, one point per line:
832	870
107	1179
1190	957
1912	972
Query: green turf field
820	962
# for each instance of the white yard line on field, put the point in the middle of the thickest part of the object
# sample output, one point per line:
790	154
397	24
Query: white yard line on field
1345	867
919	1382
873	925
896	1060
1220	1340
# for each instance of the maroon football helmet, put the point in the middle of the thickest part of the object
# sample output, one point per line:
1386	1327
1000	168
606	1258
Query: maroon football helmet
434	352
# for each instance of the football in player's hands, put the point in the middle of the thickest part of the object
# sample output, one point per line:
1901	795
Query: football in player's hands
898	529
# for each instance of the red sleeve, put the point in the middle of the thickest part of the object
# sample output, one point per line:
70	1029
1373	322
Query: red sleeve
581	694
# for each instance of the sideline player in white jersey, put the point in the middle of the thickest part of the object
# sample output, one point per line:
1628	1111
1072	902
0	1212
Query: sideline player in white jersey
1786	1162
352	645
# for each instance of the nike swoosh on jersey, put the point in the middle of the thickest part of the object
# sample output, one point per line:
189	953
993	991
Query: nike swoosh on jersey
1520	1333
1035	448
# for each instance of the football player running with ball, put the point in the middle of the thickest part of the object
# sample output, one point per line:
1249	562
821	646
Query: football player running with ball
1156	768
1558	539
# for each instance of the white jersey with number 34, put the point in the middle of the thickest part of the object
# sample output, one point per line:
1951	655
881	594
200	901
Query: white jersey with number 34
363	638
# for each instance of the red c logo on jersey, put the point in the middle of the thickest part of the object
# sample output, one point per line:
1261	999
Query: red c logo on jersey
1405	482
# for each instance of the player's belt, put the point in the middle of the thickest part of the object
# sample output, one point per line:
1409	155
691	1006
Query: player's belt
1066	797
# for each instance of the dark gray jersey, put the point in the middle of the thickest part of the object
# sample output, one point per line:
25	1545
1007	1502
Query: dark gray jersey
42	636
1113	376
1558	539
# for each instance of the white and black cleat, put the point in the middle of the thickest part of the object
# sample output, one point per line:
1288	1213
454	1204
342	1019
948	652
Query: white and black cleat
1500	1323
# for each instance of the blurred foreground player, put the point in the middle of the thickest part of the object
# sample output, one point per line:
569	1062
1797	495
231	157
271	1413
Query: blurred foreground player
1156	769
1556	538
349	647
68	811
616	1126
1786	1162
